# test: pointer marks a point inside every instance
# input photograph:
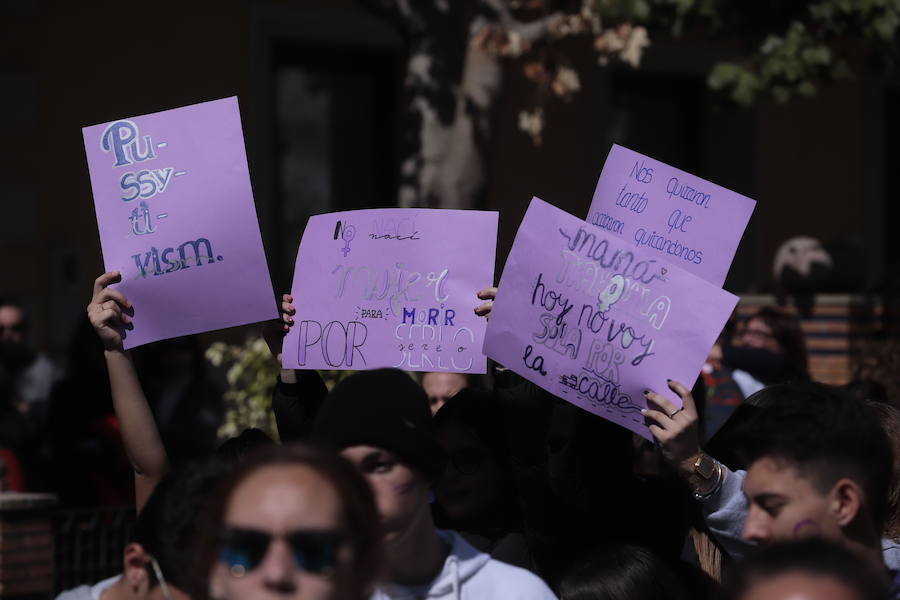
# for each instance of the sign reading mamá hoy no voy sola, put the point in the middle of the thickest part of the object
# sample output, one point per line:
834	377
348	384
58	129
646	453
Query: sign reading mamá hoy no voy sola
176	217
590	318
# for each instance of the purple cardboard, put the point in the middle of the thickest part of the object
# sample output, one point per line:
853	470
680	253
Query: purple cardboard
392	287
688	221
176	217
595	321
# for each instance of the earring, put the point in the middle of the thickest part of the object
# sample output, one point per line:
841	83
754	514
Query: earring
237	570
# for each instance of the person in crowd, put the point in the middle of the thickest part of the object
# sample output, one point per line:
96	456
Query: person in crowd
187	404
477	493
33	373
19	441
819	465
569	510
293	521
768	348
890	543
110	313
811	568
622	573
440	386
381	422
876	370
723	394
158	558
88	464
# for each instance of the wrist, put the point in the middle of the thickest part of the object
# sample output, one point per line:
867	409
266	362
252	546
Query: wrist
686	468
707	476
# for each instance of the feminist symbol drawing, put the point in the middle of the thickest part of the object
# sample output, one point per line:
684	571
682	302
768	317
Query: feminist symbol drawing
347	232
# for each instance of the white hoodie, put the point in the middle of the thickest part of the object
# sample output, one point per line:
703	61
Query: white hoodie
471	575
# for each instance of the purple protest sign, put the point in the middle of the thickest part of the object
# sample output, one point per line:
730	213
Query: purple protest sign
176	217
686	220
591	319
392	287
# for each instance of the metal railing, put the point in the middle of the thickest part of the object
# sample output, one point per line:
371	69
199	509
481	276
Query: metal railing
89	544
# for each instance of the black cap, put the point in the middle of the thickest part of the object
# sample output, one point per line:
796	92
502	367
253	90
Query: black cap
386	409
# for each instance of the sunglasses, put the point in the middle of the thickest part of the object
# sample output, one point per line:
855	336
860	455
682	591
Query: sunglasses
313	551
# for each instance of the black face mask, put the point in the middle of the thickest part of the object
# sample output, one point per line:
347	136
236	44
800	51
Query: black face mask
16	356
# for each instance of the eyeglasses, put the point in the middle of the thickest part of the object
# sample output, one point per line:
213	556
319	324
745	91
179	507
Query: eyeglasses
467	461
313	551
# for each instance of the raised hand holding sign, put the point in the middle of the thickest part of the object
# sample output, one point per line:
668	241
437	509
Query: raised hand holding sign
596	322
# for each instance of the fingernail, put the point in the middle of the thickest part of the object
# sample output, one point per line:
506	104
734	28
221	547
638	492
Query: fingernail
644	411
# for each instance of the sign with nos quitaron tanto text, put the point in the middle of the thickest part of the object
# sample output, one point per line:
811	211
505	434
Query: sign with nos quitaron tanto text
595	320
683	219
176	217
392	287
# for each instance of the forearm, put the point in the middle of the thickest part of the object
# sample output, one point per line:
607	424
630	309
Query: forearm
295	401
140	436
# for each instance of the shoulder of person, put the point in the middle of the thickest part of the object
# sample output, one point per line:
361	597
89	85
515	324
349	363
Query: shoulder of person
510	582
82	592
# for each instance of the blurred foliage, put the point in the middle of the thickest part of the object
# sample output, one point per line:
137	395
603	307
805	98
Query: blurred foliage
791	46
786	48
251	372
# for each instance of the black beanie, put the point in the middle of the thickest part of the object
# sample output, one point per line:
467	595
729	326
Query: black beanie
386	409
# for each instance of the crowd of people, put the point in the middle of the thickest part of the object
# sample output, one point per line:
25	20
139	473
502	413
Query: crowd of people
762	484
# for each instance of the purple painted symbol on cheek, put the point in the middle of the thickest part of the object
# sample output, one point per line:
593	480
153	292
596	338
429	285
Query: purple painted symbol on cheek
807	528
403	489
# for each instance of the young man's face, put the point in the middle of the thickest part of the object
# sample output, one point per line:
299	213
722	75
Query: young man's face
785	506
401	494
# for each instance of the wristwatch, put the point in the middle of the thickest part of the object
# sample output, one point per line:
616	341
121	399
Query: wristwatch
708	476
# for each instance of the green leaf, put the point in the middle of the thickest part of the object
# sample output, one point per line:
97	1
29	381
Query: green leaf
781	94
722	75
771	44
817	55
886	25
806	88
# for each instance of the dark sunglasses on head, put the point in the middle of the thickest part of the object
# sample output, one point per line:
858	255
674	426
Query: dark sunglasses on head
314	551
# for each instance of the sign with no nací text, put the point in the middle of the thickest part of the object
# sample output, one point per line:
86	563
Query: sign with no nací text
392	287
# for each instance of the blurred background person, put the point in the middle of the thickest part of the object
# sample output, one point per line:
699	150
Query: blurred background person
441	386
